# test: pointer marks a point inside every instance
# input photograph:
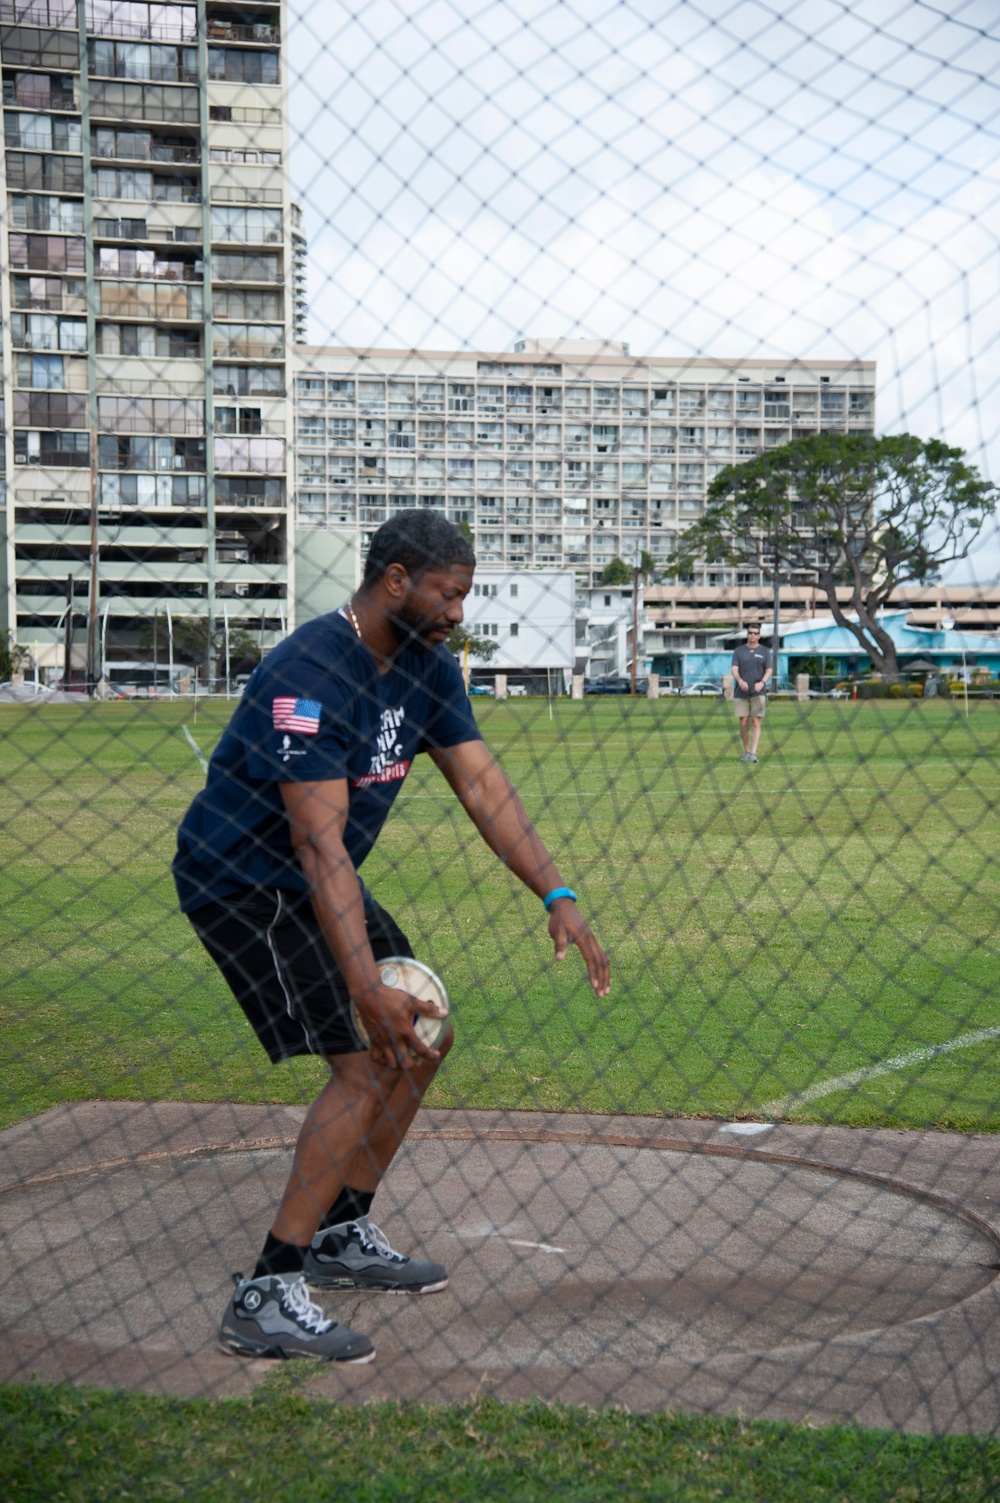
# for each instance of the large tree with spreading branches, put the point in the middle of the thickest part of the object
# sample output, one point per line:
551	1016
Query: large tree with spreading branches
845	509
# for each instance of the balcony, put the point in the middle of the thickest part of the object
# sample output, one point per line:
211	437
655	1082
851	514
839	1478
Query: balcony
192	427
230	195
114	102
55	13
34	140
249	426
55	459
158	73
259	274
244	349
262	33
149	388
163	271
241	114
144	151
181	26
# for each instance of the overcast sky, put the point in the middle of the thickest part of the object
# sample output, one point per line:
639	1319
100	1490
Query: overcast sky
697	177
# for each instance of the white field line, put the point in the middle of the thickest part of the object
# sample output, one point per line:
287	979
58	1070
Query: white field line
870	1072
195	748
719	794
493	1231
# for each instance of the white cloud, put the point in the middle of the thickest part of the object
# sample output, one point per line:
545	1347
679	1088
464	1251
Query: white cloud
697	178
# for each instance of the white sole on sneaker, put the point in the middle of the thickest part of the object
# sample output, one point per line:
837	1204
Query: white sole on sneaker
249	1350
337	1286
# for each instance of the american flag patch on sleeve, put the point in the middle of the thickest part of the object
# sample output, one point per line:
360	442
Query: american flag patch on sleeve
301	715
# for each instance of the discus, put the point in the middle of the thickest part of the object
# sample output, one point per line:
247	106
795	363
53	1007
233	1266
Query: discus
419	980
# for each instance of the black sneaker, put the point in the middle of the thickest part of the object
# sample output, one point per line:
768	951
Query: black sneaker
274	1317
356	1255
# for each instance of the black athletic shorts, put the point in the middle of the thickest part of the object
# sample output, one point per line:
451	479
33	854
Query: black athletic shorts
268	945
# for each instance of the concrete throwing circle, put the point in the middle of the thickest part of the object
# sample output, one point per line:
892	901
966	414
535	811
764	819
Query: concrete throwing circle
580	1270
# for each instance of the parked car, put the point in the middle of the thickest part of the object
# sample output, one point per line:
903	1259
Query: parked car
703	687
613	683
480	689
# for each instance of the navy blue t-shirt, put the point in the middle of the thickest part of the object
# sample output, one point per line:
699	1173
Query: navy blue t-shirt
316	710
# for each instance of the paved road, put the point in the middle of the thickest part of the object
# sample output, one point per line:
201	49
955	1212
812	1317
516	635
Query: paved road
796	1273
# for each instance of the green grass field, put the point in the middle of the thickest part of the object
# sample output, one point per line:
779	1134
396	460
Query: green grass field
770	928
78	1447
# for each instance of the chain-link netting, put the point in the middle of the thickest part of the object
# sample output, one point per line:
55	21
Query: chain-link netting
536	456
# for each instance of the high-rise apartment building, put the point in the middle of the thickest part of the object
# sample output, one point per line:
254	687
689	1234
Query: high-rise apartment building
563	453
145	280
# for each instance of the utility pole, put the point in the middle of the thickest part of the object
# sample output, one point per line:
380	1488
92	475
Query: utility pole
636	566
777	612
94	572
68	635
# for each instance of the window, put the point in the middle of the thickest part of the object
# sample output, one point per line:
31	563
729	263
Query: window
139	60
514	628
402	433
42	371
238	65
248	380
40	409
247	226
513	592
261	454
40	212
112	18
46	253
43	331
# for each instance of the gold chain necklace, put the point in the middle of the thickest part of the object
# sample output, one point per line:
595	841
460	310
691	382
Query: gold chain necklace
354	620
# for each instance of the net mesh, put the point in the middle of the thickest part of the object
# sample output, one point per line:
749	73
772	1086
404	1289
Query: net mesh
272	277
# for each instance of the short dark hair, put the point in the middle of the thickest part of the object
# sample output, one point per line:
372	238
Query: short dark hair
754	626
419	540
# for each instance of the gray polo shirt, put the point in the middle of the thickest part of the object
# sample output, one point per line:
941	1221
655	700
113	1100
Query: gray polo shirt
751	663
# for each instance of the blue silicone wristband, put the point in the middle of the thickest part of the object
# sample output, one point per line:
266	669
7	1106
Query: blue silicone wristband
558	892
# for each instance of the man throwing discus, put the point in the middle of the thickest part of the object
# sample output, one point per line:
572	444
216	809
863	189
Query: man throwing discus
751	669
298	790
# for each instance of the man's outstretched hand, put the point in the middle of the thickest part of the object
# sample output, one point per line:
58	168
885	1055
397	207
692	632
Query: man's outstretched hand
568	927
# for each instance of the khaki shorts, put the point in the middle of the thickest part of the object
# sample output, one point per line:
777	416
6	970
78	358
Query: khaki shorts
754	706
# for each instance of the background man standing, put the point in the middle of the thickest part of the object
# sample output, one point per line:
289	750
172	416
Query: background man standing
751	672
298	790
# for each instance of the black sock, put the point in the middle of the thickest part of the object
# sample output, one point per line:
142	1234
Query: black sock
348	1206
279	1257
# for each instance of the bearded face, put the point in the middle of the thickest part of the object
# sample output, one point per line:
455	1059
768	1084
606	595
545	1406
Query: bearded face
430	609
